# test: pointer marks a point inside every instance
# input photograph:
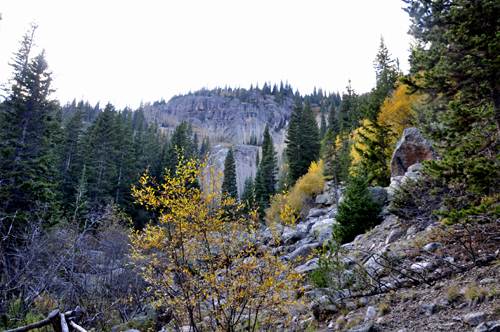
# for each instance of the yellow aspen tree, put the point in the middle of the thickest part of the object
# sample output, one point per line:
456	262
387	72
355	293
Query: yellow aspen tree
203	261
396	110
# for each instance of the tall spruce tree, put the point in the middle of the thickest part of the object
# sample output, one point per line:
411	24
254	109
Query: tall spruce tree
98	153
247	198
322	126
29	129
348	114
229	184
302	139
269	163
377	138
333	121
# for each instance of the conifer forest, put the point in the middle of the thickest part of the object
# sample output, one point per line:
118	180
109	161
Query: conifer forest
165	217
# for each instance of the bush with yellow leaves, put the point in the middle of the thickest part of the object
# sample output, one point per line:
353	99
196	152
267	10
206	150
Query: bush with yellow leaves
202	260
300	198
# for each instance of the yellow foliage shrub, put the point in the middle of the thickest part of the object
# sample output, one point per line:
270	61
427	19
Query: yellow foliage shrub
307	186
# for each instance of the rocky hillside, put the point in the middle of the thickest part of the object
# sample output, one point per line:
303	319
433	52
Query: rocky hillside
403	275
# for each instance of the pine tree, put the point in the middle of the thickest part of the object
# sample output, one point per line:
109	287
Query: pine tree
67	151
247	198
456	58
269	163
349	114
29	129
359	211
98	153
310	135
261	196
180	145
333	122
126	165
294	142
377	141
322	127
229	184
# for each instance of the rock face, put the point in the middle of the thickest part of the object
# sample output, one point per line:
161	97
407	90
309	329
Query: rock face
411	149
226	119
244	156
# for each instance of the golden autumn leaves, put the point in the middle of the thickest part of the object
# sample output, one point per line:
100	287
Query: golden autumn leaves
203	260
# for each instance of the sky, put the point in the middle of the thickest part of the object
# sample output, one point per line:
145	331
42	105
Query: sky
125	52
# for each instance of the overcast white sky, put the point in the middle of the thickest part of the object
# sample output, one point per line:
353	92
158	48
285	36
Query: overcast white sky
128	51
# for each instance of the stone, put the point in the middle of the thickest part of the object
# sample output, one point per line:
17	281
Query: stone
301	254
412	230
433	246
474	318
310	265
313	213
307	240
371	265
443	302
411	149
324	199
487	281
428	309
412	175
379	194
370	313
292	237
320	226
481	328
416	167
393	236
421	267
494	326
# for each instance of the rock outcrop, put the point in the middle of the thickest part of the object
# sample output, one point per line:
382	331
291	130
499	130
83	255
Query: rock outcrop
244	156
411	149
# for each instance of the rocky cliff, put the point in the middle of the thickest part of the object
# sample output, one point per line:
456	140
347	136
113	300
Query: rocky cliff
226	120
244	156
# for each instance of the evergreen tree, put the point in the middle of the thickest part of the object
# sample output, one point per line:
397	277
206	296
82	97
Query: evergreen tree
348	114
29	129
195	144
359	211
333	122
322	127
180	144
229	184
98	153
336	155
294	142
260	192
377	142
302	139
247	198
67	151
456	58
126	164
269	163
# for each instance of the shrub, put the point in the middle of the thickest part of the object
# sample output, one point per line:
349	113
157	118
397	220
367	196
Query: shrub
300	197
